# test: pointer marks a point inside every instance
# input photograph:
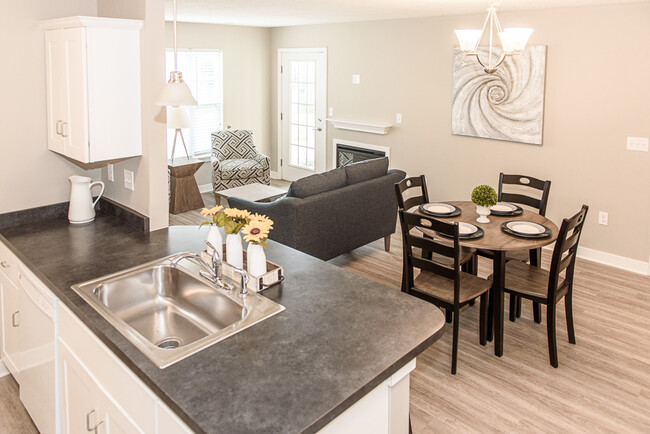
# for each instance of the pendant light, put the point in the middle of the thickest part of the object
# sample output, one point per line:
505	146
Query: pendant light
175	93
513	40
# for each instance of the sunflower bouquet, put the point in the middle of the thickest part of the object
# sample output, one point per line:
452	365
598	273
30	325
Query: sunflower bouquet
257	229
216	216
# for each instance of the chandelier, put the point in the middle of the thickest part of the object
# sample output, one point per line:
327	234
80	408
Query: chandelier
513	40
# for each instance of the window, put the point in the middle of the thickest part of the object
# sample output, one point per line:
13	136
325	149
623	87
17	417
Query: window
203	72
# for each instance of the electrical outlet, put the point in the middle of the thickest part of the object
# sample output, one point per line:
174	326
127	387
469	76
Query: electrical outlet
111	172
128	180
356	79
330	112
603	218
637	144
398	118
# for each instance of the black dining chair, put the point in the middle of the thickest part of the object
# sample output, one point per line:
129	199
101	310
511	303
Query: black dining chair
412	192
533	193
445	286
549	287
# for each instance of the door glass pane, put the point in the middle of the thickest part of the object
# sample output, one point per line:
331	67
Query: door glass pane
303	109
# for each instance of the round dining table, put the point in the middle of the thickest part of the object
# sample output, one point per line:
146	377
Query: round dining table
498	242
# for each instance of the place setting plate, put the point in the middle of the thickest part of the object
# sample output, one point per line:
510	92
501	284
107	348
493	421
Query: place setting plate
440	209
506	209
524	229
466	231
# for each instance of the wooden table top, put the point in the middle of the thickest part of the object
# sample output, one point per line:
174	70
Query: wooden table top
495	238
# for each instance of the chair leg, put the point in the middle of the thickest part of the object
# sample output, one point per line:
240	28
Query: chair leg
568	307
537	312
490	318
512	311
387	243
454	344
518	307
483	319
550	329
448	315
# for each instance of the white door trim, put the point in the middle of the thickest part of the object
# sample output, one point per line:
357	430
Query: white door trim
278	173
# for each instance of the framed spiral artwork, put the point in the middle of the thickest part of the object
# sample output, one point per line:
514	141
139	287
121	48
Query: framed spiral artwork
506	105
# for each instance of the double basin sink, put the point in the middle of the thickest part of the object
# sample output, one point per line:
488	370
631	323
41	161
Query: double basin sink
171	312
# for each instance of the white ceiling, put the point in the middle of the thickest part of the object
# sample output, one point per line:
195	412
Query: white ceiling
278	13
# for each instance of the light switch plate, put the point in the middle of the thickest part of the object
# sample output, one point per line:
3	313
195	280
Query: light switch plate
331	111
603	218
637	144
398	118
128	180
111	172
356	79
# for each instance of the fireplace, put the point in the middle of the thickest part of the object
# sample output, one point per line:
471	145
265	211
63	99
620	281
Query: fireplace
348	153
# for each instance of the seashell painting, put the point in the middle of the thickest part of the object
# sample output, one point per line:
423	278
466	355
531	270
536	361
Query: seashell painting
506	105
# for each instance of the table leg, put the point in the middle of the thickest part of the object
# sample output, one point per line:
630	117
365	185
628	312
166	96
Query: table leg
499	274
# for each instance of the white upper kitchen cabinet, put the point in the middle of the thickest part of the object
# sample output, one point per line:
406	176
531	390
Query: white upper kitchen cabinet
93	88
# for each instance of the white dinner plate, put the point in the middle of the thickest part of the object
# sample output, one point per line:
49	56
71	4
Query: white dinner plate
466	228
439	208
503	207
525	228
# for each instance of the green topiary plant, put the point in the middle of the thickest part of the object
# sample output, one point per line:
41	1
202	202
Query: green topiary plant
484	195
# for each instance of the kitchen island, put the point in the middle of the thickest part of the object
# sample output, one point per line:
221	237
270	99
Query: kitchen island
340	336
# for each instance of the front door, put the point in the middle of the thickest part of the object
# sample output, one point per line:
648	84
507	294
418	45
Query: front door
302	117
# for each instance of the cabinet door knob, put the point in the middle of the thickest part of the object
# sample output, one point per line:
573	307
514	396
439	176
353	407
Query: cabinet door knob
15	319
5	264
92	428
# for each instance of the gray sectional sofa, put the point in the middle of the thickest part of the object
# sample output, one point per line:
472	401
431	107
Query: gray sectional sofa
331	213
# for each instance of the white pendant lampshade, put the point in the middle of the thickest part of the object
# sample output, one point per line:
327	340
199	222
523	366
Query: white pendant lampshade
176	92
178	117
468	39
514	39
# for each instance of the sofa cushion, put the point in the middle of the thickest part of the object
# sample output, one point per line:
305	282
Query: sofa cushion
365	170
318	183
240	168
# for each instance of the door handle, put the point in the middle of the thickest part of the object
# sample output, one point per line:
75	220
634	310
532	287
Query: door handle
15	322
5	264
317	129
93	428
58	127
63	128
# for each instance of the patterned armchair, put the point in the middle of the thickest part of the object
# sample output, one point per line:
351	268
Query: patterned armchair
235	161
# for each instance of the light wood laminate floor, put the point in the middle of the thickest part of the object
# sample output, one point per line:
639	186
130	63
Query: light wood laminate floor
13	416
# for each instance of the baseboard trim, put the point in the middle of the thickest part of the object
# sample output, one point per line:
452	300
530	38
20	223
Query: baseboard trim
275	174
205	188
616	261
3	370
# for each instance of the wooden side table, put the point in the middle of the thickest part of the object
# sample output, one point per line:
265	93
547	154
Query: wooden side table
185	194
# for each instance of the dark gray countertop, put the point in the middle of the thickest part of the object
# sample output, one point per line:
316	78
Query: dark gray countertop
340	336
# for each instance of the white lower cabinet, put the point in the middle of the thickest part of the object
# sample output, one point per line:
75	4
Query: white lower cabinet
10	325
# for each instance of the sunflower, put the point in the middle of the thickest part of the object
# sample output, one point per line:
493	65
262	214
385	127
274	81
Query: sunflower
237	214
262	219
256	232
212	211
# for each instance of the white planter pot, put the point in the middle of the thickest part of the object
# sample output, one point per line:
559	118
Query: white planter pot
483	212
234	250
214	238
255	260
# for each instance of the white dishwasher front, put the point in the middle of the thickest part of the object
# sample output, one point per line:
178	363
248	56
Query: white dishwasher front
37	357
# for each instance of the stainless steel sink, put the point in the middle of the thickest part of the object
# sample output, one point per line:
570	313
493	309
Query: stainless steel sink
170	313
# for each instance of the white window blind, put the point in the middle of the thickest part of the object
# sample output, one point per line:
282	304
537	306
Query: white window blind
203	72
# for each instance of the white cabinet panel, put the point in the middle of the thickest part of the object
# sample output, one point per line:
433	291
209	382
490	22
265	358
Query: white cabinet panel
93	88
10	326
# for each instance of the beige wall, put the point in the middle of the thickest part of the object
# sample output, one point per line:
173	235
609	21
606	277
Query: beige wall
246	76
597	93
150	170
30	174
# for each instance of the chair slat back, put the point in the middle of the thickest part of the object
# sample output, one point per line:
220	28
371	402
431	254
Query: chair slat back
526	181
416	187
564	252
446	246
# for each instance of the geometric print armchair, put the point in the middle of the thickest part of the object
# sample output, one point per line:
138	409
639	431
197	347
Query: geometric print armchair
236	162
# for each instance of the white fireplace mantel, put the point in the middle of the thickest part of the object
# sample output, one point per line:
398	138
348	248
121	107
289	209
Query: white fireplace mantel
360	126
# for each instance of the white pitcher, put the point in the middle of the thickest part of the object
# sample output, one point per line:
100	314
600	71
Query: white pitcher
82	207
